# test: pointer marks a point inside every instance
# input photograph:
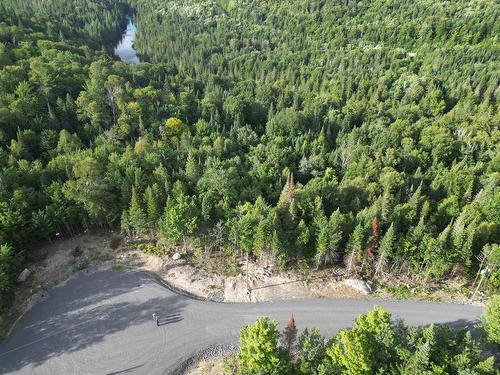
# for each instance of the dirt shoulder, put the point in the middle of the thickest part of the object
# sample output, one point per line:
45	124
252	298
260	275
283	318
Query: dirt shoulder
214	367
56	262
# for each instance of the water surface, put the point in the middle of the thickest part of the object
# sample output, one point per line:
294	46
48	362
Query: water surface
125	50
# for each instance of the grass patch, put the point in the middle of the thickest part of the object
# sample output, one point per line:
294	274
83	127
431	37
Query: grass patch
398	291
151	248
224	265
80	265
117	267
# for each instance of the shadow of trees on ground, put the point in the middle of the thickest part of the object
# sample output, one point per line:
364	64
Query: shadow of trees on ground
83	312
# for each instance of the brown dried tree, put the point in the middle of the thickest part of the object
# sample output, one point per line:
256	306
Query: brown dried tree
289	334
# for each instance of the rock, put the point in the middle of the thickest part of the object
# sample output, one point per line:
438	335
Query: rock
89	271
360	285
216	296
24	275
176	256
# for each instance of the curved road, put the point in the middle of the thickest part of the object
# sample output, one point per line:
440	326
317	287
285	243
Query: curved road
102	324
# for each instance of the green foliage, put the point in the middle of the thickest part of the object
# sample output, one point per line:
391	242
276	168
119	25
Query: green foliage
117	267
136	214
174	128
369	345
312	351
80	265
374	345
9	268
491	320
244	115
180	218
259	352
151	248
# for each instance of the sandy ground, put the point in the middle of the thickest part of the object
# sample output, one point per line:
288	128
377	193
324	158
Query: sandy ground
57	261
215	367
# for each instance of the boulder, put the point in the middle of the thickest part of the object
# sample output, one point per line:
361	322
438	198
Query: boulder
176	256
23	276
360	285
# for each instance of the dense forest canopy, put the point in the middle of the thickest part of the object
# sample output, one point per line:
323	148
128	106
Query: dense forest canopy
326	131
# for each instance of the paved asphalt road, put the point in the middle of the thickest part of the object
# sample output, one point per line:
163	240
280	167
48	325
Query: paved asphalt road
102	324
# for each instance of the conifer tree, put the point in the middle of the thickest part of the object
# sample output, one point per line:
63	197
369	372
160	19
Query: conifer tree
192	171
322	237
137	216
385	250
152	206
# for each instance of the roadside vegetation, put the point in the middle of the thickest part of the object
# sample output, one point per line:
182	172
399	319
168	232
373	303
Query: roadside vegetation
301	133
376	344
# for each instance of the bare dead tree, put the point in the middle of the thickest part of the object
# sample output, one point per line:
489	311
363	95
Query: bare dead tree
380	265
350	261
289	334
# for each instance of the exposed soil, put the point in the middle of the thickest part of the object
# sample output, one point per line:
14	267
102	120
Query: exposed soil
55	262
215	367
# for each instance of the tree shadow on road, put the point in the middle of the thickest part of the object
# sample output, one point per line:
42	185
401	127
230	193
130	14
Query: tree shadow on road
83	313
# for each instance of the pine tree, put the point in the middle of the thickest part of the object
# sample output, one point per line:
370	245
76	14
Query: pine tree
467	251
444	242
278	250
192	171
152	206
387	207
356	243
287	195
335	231
303	235
136	213
261	238
322	234
357	239
125	223
385	250
414	201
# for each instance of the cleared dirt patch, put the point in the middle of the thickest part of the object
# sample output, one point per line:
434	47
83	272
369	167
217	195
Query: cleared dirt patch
215	367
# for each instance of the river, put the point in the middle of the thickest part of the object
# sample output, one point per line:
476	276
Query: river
125	50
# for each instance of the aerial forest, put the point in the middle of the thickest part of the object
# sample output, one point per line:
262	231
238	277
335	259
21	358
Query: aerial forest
362	134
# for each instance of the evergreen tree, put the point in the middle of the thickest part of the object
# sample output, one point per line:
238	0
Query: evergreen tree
322	237
335	227
137	216
385	250
303	235
192	170
152	206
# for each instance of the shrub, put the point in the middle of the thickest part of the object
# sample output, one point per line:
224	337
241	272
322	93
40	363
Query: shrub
491	320
10	264
259	351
